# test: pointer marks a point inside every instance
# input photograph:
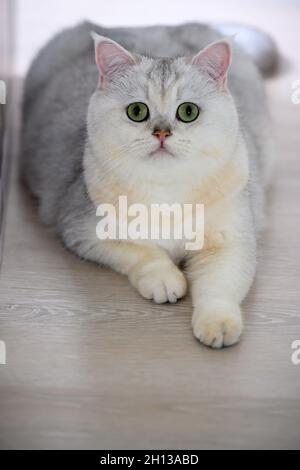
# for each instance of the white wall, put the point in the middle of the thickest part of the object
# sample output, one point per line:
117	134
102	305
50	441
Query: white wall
37	20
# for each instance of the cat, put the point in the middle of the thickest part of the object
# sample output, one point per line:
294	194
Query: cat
160	115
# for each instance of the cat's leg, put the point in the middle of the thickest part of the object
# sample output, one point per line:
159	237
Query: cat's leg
155	275
148	267
220	279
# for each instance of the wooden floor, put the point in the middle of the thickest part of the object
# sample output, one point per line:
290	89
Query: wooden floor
90	364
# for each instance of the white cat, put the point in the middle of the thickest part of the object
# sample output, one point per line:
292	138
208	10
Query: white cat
188	129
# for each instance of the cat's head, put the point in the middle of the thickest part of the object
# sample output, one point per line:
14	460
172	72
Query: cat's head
162	113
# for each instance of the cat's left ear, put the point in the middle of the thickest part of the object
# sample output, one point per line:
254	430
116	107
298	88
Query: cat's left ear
215	60
111	58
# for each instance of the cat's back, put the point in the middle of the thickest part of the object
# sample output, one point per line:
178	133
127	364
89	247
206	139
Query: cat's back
57	92
71	44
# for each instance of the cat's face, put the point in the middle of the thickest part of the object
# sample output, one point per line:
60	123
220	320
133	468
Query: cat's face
161	113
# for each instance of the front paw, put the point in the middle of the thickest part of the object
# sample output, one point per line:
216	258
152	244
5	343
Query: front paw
217	324
160	281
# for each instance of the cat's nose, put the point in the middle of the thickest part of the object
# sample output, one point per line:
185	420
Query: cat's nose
162	134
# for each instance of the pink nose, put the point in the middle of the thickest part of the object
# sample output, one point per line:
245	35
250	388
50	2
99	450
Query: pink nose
162	134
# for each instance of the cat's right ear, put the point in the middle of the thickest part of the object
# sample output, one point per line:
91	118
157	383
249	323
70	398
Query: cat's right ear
111	58
215	60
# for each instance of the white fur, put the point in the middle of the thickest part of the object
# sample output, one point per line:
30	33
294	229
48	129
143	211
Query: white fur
118	161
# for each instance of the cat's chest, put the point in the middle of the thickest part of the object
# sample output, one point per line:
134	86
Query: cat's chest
175	217
179	226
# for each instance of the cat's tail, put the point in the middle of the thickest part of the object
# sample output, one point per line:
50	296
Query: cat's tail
259	45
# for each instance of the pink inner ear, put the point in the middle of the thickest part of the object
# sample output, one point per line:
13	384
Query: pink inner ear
111	58
215	60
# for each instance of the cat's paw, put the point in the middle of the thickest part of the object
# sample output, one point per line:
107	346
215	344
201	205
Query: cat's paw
217	324
159	281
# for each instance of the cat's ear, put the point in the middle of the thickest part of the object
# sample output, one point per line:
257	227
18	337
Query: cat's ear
215	60
111	58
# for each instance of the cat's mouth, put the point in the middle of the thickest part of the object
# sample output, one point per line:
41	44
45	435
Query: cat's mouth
161	151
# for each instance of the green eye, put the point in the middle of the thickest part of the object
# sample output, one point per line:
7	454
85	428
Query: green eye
138	112
187	112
